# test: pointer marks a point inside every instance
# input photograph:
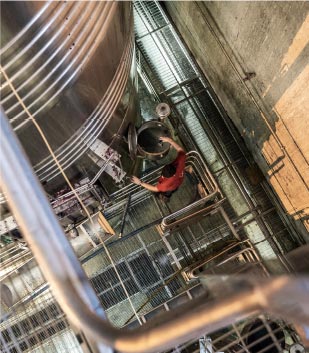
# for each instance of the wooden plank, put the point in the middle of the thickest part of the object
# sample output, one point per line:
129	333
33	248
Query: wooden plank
103	222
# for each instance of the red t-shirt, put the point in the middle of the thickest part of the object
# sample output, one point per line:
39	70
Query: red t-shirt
173	182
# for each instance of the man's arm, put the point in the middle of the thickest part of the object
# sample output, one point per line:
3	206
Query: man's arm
177	147
147	186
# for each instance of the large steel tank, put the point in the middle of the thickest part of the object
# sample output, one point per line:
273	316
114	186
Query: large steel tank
72	63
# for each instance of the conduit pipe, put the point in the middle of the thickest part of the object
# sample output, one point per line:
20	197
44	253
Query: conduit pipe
76	296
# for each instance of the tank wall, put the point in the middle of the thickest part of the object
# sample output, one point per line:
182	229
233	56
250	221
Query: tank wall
72	64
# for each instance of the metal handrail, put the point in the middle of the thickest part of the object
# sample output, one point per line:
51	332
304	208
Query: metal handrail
152	176
245	244
195	159
215	207
76	296
192	275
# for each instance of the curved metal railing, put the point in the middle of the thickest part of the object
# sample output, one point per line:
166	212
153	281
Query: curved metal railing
212	192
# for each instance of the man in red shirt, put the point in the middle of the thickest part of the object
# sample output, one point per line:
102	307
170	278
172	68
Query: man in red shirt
172	174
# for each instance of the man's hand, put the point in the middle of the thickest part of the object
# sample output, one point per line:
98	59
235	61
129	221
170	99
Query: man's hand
147	186
136	180
177	147
166	139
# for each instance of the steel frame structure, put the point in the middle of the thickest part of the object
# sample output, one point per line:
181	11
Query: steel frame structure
78	299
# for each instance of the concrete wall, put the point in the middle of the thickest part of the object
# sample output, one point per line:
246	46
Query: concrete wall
255	55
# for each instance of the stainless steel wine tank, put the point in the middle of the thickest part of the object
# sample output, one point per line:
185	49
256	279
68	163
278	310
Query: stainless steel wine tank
72	64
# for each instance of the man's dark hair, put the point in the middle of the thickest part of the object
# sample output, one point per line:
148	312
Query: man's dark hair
168	171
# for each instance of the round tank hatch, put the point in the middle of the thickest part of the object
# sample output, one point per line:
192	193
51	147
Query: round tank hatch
148	143
297	348
132	141
163	110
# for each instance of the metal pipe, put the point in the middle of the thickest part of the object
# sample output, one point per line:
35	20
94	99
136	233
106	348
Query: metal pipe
203	211
229	223
123	220
210	183
36	218
71	286
228	249
135	232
